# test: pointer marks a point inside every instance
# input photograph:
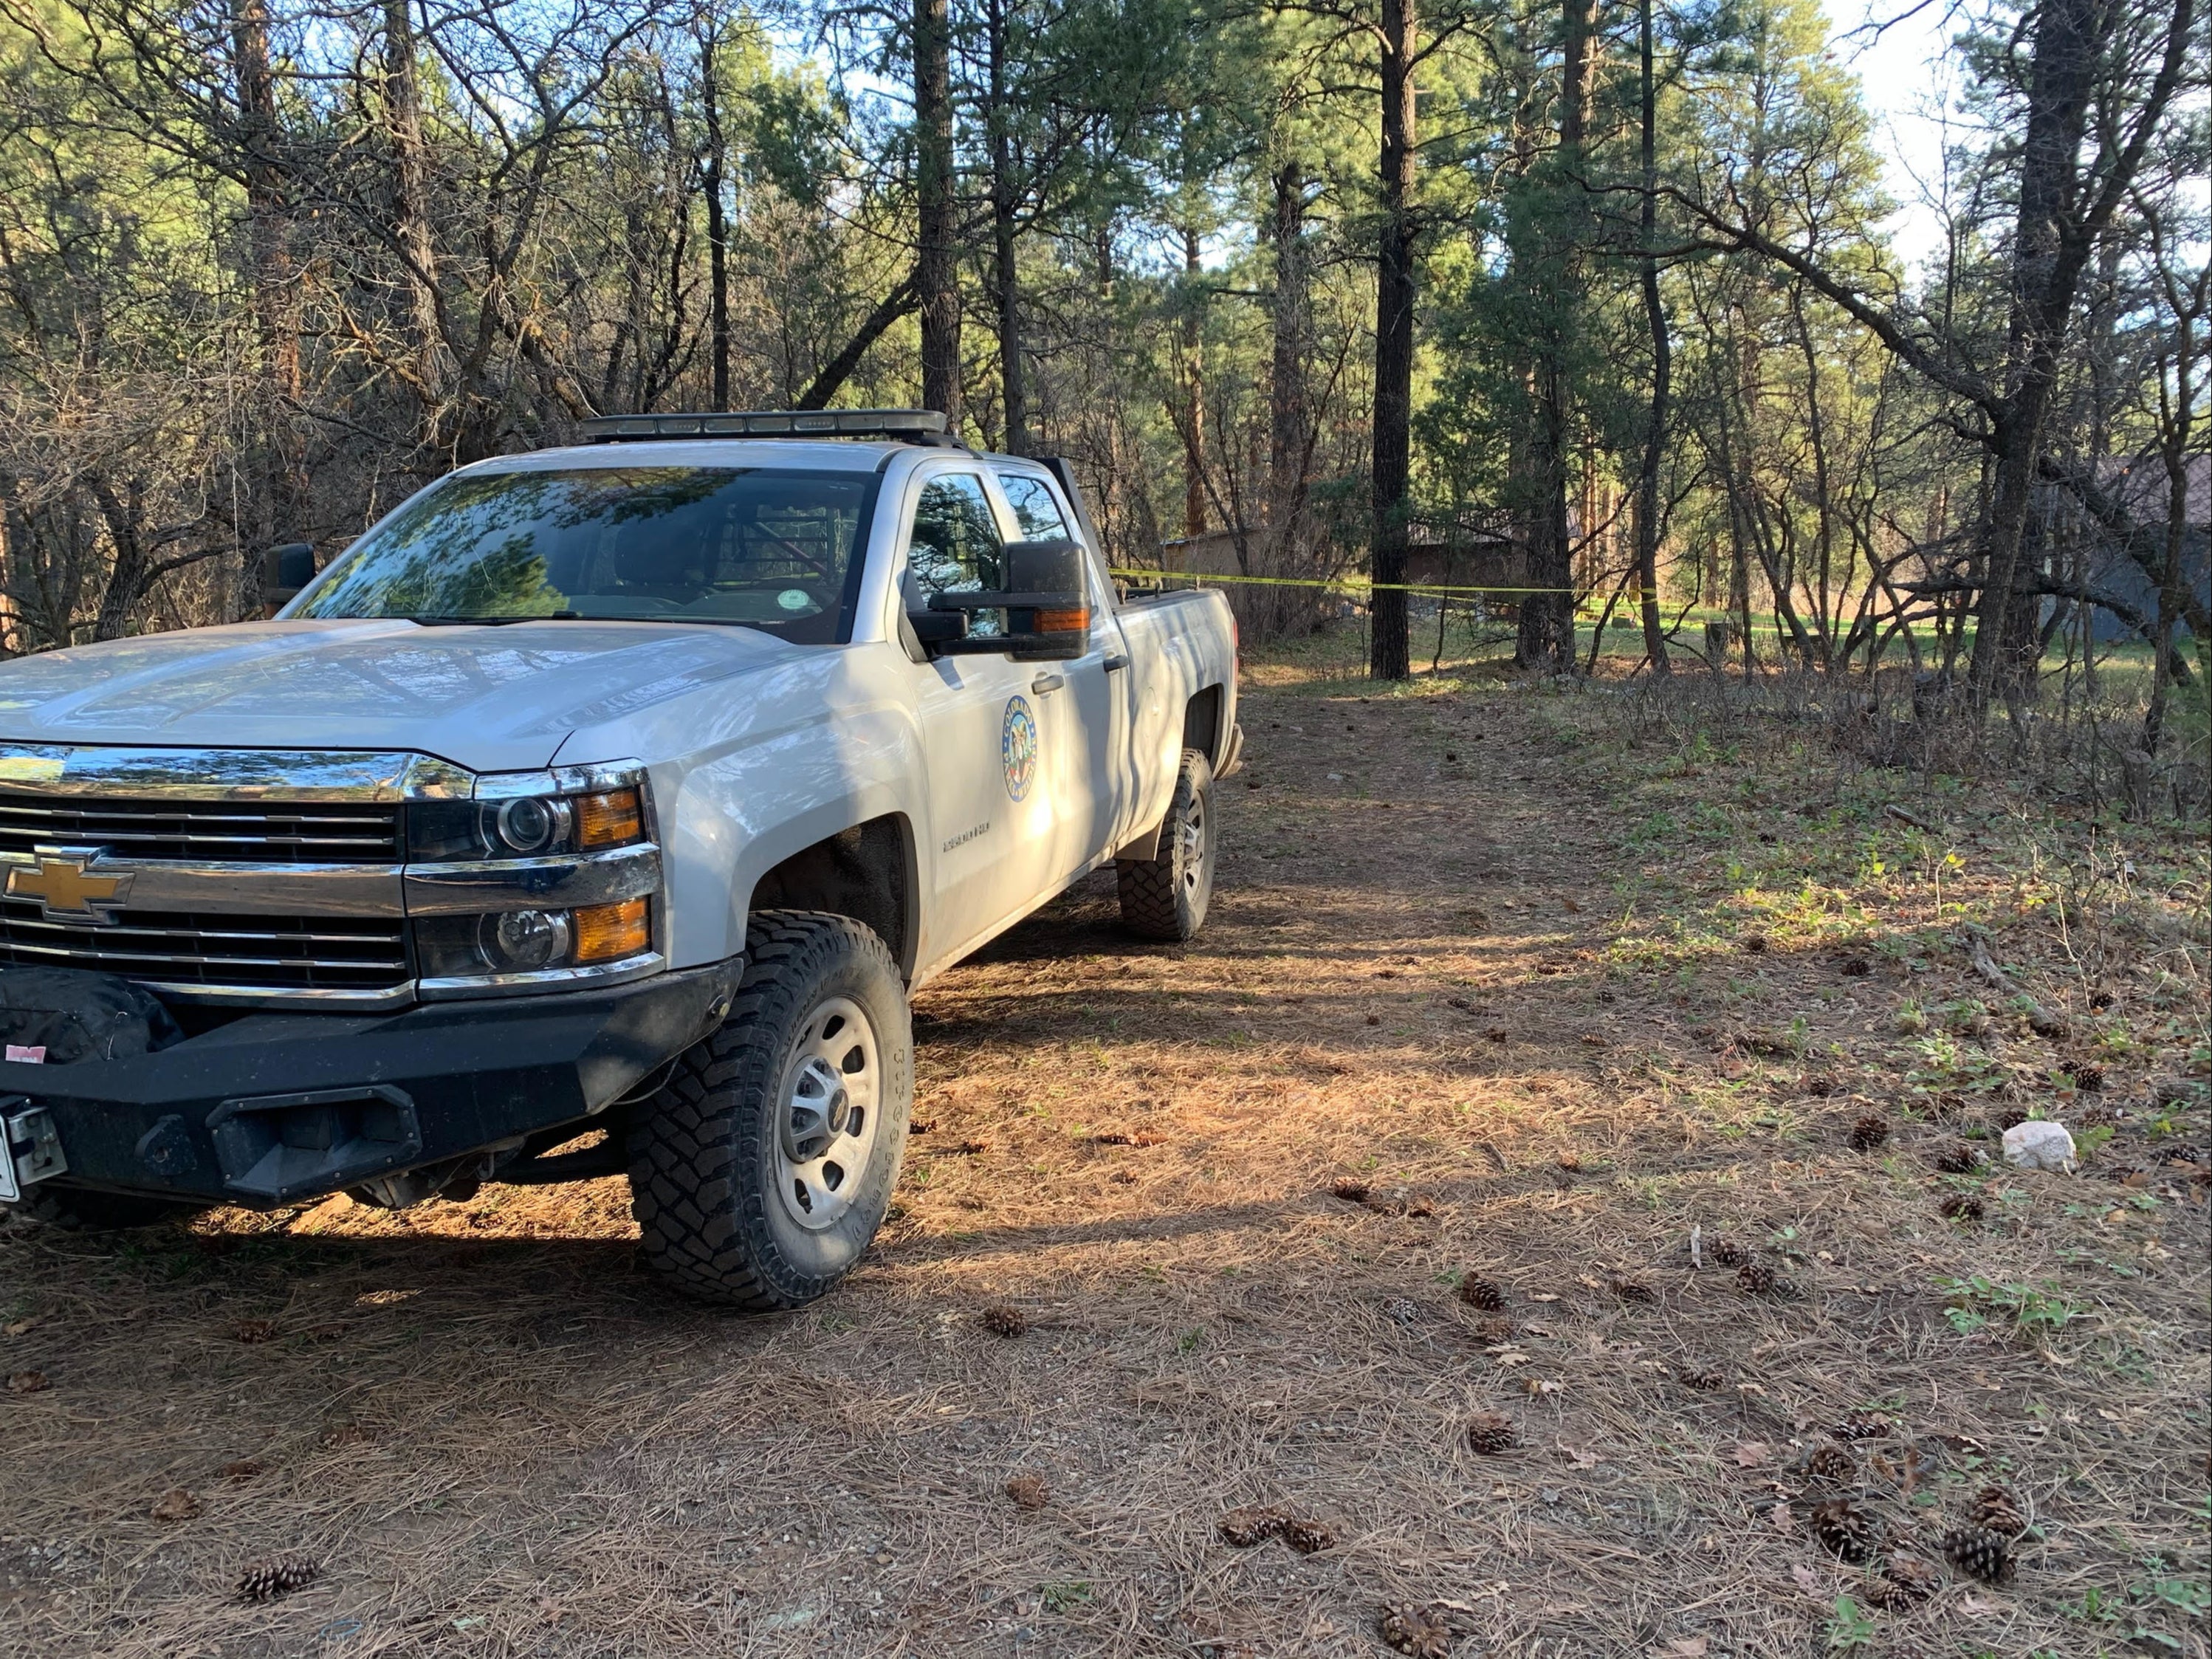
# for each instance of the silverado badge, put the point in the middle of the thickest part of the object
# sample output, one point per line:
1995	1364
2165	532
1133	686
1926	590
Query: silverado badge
65	891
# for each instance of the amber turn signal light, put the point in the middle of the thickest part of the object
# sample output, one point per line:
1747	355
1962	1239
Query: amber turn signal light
1077	620
608	932
609	819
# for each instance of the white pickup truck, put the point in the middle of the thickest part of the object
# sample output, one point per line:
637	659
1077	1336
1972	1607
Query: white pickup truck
626	788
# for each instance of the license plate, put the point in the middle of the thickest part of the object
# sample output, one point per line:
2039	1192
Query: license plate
30	1150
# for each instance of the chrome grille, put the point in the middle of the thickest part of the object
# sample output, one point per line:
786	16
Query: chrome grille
219	952
205	831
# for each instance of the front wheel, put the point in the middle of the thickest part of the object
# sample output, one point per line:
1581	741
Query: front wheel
1164	896
762	1169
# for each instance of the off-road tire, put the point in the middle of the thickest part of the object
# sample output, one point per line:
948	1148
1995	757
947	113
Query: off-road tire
703	1152
1164	896
75	1210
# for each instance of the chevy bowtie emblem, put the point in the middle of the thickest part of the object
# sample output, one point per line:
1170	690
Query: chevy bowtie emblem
65	891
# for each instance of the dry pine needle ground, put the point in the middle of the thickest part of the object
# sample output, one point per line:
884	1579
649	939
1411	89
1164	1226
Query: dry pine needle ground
1512	998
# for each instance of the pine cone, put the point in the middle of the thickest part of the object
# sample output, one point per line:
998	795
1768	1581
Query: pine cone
1731	1252
1253	1524
176	1504
1349	1188
1493	1330
1492	1432
2088	1076
1633	1290
1002	1319
265	1580
1420	1632
1997	1511
1833	1463
1905	1581
1842	1528
1862	1426
1756	1279
1979	1554
1028	1491
1868	1132
1480	1292
1703	1379
1957	1158
1307	1536
1961	1206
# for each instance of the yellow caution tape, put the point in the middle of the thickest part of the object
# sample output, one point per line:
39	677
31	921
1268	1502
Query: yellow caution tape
1336	584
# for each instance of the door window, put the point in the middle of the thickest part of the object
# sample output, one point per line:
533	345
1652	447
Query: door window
955	545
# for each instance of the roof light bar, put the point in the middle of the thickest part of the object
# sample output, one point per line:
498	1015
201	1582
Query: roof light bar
913	425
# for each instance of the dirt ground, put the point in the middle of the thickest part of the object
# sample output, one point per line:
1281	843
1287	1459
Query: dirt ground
1564	985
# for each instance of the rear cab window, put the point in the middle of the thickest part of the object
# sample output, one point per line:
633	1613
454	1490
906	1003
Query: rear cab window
1037	510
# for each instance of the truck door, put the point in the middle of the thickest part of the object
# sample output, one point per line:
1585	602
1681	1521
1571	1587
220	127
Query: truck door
1090	709
991	793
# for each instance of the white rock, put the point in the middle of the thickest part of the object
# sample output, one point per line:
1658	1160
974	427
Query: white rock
2038	1144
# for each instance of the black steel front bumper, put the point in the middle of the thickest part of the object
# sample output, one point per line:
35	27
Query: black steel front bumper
273	1108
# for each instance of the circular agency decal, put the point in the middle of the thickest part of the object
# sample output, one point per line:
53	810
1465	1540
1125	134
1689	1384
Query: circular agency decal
1017	747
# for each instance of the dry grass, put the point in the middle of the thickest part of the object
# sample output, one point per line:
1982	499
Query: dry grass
1514	994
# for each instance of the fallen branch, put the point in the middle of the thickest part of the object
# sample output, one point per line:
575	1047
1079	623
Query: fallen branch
895	305
2081	591
2040	1019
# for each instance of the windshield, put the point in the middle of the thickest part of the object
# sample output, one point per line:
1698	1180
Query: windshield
757	547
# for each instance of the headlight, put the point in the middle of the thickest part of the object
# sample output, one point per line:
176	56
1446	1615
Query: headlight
525	825
531	823
524	941
531	941
538	880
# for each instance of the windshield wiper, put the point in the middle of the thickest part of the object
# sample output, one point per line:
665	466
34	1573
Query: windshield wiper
490	621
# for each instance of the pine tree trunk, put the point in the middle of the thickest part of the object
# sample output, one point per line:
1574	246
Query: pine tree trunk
937	276
718	225
1006	201
1289	422
1546	641
1655	313
1193	377
2069	37
281	484
411	223
1390	649
2172	588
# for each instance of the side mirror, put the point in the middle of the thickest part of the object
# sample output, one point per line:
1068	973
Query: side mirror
1052	566
1048	610
935	629
285	569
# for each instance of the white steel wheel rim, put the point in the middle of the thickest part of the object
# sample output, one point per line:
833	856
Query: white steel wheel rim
829	1108
1190	837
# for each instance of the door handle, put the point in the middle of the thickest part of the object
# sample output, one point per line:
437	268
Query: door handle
1116	663
1044	682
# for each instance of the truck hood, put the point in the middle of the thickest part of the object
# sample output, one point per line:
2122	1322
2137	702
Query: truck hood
488	698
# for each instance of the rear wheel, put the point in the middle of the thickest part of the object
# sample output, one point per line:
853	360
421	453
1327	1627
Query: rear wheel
1164	896
762	1167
